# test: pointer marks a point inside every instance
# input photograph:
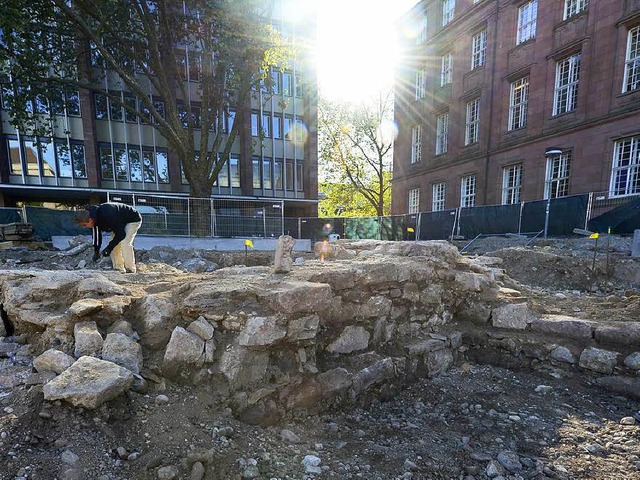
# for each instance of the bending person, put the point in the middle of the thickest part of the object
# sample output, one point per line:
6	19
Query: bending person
123	222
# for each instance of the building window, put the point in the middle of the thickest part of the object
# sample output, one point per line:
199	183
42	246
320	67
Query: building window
439	192
625	174
421	37
557	177
277	126
511	184
133	163
298	86
527	18
472	122
420	83
414	200
234	170
448	9
255	127
442	129
518	103
47	158
287	85
574	7
275	81
445	71
566	91
278	173
632	65
266	125
468	191
479	50
416	143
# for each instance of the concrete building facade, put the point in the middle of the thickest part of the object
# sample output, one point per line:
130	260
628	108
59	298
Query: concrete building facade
503	101
98	147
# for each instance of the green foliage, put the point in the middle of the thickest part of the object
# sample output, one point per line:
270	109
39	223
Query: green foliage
49	47
355	152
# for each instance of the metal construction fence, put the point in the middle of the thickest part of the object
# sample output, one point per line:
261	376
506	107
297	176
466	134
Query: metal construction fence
228	218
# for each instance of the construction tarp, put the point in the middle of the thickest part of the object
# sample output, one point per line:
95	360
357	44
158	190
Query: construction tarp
9	215
622	219
565	215
437	225
491	219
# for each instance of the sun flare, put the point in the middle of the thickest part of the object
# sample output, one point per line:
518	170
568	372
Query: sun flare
357	47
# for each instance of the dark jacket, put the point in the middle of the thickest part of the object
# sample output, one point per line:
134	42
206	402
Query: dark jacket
111	217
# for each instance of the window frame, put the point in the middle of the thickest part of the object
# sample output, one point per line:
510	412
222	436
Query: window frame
472	122
573	8
527	22
511	184
631	77
518	109
565	93
557	176
438	196
448	11
479	50
446	75
625	171
468	185
413	203
442	133
416	144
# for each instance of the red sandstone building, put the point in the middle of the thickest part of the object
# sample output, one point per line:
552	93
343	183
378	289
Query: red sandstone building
503	101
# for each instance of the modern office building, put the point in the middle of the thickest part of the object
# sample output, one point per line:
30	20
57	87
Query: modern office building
98	147
504	101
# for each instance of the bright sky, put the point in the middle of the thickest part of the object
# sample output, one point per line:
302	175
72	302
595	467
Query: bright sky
357	46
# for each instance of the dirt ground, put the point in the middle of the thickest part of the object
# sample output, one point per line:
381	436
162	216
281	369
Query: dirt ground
469	423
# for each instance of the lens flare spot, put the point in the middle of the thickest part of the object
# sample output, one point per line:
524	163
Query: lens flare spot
299	134
388	131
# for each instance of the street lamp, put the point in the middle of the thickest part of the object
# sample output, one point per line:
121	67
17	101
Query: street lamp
548	153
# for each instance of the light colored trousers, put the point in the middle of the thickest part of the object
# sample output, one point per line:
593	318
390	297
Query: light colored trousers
122	257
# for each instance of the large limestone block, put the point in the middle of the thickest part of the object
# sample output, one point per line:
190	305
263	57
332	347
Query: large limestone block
155	321
100	285
242	366
185	349
378	372
283	259
88	339
303	328
85	307
123	350
34	297
513	316
352	339
202	328
53	361
564	326
621	334
89	383
298	297
377	306
261	331
598	360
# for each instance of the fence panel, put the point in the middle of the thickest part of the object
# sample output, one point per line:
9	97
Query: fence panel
396	227
618	214
362	228
437	225
9	215
491	219
47	222
565	214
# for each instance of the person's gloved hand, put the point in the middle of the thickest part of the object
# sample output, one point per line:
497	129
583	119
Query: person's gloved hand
96	256
105	253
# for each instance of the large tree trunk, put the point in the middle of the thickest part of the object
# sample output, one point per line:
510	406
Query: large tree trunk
200	221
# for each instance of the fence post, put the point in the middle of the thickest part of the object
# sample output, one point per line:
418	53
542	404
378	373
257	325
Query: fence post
589	207
418	226
282	217
24	214
520	218
546	217
189	217
213	218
